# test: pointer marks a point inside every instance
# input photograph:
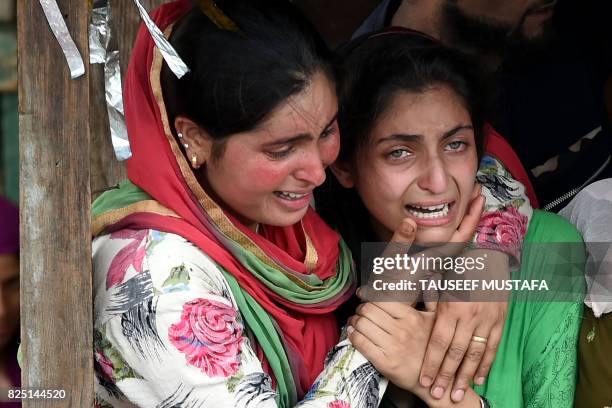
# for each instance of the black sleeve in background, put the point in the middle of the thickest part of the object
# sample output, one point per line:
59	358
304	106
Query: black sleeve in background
589	24
550	98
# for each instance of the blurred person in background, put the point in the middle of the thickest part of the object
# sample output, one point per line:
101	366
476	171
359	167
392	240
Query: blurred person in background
550	104
9	296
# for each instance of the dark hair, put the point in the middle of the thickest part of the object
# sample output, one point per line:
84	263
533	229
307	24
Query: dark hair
370	71
375	68
238	78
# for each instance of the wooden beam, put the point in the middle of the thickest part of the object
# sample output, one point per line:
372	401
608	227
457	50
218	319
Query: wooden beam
56	288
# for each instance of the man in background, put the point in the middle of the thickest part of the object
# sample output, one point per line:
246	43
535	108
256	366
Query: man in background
551	106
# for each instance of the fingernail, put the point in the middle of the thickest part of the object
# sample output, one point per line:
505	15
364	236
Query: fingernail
358	292
426	381
480	380
437	392
350	329
457	395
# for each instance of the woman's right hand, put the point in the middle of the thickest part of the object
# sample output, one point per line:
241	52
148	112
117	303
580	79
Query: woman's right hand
393	337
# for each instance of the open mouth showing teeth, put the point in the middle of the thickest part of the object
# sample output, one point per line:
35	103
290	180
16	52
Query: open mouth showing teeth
434	211
289	196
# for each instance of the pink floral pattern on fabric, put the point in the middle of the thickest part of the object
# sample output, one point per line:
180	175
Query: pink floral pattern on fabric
106	365
505	228
338	404
209	336
132	255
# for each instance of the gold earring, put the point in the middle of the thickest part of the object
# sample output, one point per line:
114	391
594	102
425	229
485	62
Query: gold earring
194	160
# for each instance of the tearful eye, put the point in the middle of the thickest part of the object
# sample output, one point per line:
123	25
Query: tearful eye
330	131
456	145
399	154
280	154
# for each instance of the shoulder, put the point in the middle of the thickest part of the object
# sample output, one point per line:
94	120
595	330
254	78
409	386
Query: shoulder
548	227
132	266
376	20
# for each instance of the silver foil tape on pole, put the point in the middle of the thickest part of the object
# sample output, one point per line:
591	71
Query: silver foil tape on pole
103	50
60	30
174	61
98	31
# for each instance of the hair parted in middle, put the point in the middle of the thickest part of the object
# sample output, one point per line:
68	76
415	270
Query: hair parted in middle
239	76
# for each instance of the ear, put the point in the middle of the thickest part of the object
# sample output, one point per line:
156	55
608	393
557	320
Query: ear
195	141
343	174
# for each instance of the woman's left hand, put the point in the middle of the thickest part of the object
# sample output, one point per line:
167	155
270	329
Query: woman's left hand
462	346
466	335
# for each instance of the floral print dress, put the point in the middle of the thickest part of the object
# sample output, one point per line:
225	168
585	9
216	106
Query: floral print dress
168	333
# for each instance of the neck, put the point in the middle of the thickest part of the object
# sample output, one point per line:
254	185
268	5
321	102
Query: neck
420	15
426	16
492	61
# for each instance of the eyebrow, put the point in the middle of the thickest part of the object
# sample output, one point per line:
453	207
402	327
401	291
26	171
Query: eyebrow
403	137
301	136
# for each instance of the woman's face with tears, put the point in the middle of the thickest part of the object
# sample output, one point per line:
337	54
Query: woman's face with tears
420	162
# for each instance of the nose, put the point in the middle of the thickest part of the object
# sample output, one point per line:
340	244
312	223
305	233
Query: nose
311	168
434	177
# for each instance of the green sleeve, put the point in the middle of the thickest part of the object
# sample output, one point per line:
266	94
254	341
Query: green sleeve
551	335
536	362
549	372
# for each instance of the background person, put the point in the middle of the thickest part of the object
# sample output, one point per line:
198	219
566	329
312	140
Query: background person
9	296
514	40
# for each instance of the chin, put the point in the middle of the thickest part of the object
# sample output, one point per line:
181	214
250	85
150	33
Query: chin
433	236
283	219
538	36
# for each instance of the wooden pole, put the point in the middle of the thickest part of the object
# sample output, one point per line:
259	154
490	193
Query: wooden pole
56	286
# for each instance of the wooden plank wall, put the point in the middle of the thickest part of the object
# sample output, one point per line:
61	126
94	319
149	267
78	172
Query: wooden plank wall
55	239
